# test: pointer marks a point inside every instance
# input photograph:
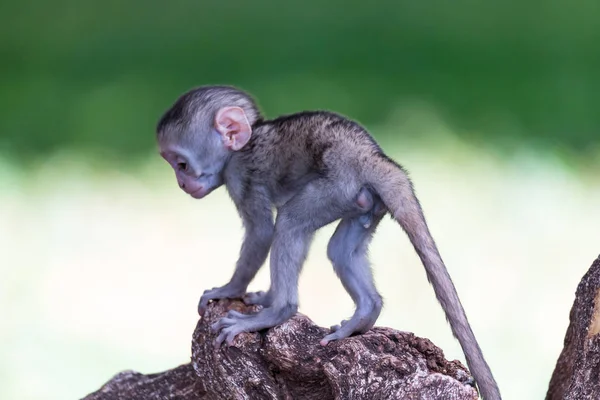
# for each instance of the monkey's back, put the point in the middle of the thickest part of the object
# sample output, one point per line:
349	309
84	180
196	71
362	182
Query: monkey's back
320	138
294	149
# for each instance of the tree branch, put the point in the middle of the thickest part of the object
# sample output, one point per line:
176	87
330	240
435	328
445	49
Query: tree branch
287	362
576	374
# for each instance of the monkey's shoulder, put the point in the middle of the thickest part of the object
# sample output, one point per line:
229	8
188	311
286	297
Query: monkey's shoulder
320	127
313	118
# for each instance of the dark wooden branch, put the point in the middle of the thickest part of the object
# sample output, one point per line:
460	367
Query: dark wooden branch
576	375
287	362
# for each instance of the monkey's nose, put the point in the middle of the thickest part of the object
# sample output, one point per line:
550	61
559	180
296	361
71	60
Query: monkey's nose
182	185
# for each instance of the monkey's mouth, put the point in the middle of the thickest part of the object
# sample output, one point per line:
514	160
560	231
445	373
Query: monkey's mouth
203	191
198	194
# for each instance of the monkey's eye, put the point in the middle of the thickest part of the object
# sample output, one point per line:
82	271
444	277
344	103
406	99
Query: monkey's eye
182	166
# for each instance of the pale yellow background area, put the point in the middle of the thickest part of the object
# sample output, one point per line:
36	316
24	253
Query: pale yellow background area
101	270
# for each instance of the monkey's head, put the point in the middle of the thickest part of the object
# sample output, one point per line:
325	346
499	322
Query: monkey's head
200	132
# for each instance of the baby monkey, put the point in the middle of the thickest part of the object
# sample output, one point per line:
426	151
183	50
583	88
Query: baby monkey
314	168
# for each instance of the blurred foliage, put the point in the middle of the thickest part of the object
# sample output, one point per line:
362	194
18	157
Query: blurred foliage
97	75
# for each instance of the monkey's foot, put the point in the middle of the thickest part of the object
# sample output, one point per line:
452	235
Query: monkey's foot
337	327
346	329
235	323
361	322
258	298
229	291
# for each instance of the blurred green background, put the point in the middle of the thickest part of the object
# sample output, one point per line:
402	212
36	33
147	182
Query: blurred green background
97	74
493	107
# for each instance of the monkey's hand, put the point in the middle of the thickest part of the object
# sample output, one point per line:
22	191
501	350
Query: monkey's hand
235	322
229	291
260	298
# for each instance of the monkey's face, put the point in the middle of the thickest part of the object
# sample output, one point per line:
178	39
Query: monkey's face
198	172
199	152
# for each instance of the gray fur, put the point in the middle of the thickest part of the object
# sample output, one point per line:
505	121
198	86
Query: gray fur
314	168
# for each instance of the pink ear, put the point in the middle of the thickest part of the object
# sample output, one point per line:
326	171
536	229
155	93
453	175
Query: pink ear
232	124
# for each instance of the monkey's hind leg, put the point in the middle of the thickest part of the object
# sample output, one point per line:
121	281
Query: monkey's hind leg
347	250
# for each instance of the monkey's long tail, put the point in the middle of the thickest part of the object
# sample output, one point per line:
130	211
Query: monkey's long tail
394	187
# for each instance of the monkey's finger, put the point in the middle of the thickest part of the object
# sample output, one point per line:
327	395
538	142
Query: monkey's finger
222	323
237	314
205	299
208	293
203	304
253	298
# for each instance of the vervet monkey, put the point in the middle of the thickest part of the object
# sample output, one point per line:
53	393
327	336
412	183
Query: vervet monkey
313	168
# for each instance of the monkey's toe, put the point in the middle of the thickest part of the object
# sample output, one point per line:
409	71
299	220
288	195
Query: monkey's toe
338	334
360	322
337	327
229	327
227	335
222	323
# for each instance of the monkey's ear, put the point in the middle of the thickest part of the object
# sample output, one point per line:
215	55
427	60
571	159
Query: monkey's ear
232	124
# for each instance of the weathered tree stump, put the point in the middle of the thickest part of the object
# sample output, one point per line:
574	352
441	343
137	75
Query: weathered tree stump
287	362
577	372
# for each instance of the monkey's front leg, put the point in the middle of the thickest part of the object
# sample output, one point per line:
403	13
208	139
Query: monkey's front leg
288	252
253	254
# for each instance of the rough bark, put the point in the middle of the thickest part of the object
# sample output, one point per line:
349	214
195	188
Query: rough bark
287	362
577	371
180	383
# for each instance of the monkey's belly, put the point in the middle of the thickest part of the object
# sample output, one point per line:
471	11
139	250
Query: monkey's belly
287	187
